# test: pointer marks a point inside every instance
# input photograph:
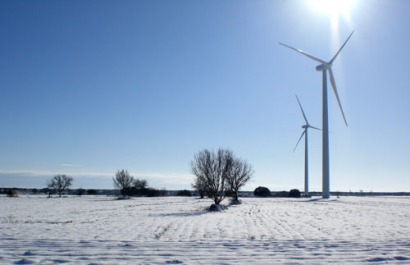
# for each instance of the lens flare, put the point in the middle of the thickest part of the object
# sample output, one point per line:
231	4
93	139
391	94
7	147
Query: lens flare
334	9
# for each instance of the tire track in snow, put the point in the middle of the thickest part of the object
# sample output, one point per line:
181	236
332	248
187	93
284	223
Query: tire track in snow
193	252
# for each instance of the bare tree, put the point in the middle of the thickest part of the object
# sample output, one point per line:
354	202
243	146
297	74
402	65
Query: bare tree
60	183
239	174
210	169
199	186
123	181
140	186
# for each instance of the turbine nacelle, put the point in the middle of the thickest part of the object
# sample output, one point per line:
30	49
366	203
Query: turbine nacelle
307	126
323	67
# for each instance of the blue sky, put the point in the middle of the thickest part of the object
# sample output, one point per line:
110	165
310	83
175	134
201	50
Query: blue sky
92	87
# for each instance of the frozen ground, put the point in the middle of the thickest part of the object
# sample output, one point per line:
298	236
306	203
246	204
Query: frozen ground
175	230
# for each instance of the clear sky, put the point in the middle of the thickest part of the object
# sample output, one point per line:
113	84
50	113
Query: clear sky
92	87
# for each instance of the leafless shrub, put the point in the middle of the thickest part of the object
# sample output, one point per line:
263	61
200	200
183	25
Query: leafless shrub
60	183
218	174
123	181
210	169
239	174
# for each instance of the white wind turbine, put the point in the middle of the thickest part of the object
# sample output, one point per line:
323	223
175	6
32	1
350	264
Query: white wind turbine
324	67
305	133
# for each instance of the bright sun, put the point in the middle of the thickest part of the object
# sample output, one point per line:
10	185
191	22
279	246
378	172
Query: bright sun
333	8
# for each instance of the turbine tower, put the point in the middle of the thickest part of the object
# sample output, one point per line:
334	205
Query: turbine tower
325	67
305	133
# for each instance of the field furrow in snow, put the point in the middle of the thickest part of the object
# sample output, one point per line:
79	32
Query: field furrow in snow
176	230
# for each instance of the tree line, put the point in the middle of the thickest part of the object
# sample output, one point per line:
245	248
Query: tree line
127	184
216	175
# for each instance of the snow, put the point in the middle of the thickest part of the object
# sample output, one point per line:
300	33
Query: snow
179	230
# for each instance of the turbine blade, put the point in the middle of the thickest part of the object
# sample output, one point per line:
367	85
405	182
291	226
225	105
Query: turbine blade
304	116
334	57
304	53
313	127
304	131
332	81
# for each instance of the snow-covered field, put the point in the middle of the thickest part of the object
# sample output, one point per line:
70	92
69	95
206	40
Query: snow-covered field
177	230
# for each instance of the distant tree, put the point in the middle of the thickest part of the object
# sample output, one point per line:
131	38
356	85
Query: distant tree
152	192
186	193
92	192
80	191
11	193
59	184
123	181
210	169
44	190
239	174
262	192
139	187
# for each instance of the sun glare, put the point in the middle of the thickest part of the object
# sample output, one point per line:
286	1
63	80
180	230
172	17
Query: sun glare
335	9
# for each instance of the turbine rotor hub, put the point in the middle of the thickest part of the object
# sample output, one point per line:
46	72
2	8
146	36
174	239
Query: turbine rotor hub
323	67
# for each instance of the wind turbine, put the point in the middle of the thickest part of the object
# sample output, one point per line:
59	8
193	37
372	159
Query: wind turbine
305	133
325	67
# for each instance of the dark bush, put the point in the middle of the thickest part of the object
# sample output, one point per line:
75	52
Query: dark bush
44	191
135	191
151	192
186	193
92	192
262	192
11	193
139	187
295	193
80	191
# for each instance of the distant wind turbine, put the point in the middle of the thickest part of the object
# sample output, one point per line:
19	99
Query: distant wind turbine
305	133
325	67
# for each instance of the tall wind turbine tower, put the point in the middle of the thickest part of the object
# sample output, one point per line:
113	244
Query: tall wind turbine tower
305	133
325	67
